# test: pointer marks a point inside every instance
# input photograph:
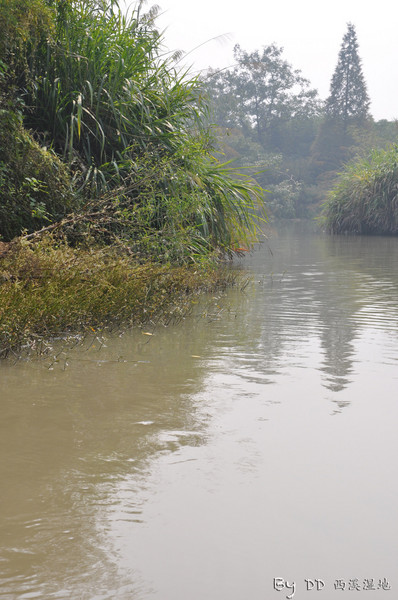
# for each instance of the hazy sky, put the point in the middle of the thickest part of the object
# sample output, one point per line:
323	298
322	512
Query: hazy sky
310	31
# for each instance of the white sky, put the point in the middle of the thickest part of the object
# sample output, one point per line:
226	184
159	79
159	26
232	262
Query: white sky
310	31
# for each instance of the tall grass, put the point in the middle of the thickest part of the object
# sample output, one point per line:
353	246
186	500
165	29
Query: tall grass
365	199
99	90
103	93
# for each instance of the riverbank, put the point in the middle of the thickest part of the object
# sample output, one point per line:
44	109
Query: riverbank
50	289
114	206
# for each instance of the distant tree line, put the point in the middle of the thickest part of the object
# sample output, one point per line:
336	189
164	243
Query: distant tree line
268	116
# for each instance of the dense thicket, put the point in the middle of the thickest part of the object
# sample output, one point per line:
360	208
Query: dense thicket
88	91
35	185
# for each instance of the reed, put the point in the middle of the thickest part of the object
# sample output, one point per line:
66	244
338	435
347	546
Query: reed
365	199
99	91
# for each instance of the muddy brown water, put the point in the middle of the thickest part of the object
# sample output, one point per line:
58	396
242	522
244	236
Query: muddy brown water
247	453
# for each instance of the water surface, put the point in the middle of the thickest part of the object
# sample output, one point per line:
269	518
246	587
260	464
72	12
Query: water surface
255	440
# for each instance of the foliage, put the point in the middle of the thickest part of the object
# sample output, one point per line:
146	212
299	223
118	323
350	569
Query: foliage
35	186
365	199
347	127
263	93
334	145
130	127
282	177
24	27
103	95
168	228
348	100
266	115
48	288
385	133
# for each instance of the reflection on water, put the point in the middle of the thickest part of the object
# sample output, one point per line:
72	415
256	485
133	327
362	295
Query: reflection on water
255	440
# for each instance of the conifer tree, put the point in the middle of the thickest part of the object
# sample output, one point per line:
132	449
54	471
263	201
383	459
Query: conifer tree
347	118
348	101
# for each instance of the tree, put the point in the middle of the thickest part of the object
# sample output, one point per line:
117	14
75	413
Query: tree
346	126
348	101
261	93
267	115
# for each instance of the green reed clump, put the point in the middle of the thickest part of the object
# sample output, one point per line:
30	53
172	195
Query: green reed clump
98	89
365	199
48	288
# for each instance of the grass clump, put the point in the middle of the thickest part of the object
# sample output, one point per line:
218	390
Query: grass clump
365	199
97	88
48	288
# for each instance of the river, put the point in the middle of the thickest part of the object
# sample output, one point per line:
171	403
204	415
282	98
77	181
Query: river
246	453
